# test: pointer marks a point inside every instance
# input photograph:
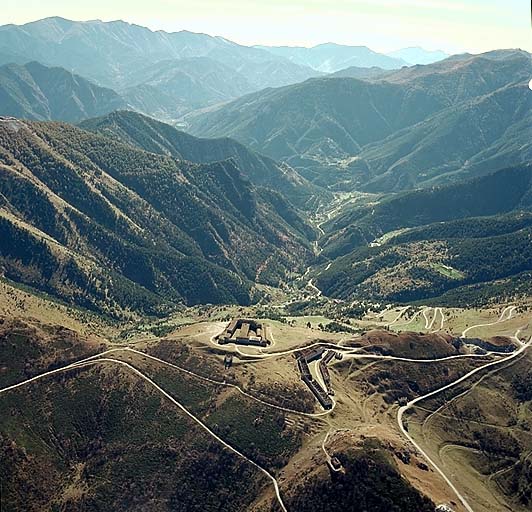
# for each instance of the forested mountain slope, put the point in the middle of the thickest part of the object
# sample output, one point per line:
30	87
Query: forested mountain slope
151	135
101	224
464	243
453	271
333	116
503	191
464	116
34	91
479	136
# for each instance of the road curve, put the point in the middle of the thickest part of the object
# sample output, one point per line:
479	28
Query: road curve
311	285
509	309
402	311
228	384
427	320
442	319
169	397
406	322
328	458
81	362
410	404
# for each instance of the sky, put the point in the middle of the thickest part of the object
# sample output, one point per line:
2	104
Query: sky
383	25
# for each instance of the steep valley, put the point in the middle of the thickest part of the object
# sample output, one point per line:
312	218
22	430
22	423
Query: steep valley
262	278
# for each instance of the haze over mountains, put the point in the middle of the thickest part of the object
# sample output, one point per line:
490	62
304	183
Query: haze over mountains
167	75
107	52
273	137
417	55
112	54
34	91
331	57
388	132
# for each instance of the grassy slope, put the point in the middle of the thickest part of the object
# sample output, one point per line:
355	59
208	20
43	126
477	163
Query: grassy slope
484	437
112	444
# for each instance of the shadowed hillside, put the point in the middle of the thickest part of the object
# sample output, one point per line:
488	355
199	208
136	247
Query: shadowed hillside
461	117
97	222
151	135
501	192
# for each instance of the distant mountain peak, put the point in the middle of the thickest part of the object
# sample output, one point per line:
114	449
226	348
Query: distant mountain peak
418	55
331	44
332	57
110	52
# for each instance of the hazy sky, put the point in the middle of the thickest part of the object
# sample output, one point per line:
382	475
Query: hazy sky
384	25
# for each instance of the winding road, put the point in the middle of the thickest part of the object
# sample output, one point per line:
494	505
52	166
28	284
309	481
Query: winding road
311	285
427	319
348	353
505	315
336	469
413	402
401	313
98	360
442	319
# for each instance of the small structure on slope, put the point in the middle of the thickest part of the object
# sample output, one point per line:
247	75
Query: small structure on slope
242	331
443	508
306	356
228	361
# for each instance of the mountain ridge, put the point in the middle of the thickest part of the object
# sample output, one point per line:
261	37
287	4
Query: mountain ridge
155	136
418	55
331	129
167	230
332	57
42	93
106	52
